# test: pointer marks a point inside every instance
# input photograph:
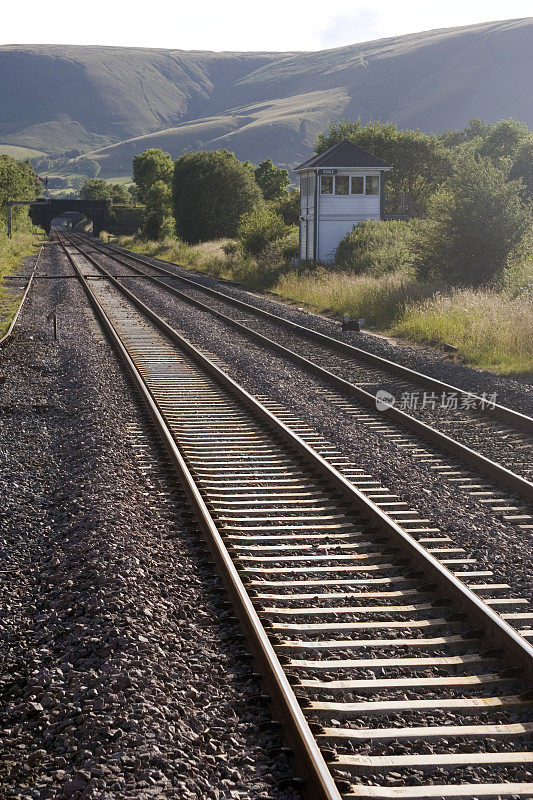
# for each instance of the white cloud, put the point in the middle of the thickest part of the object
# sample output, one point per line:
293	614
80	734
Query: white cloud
239	25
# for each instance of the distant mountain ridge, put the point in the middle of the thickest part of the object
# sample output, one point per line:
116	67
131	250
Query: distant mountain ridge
116	102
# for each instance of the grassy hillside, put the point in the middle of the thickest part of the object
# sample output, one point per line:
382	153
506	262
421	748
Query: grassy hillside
20	153
58	97
116	102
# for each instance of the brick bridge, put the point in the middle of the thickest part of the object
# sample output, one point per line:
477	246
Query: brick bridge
42	212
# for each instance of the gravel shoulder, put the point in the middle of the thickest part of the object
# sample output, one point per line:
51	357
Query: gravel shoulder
120	677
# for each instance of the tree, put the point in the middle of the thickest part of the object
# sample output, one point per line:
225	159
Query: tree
504	139
475	128
158	214
477	220
87	166
523	167
119	194
288	207
420	163
273	181
211	191
17	182
96	189
149	167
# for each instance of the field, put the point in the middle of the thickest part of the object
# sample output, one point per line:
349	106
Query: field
20	153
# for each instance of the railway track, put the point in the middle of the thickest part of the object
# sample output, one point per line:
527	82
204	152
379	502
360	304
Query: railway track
391	672
506	493
357	356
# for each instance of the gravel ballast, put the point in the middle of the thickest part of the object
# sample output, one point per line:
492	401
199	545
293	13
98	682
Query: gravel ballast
121	677
494	542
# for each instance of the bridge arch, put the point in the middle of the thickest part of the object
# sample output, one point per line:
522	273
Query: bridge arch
42	212
72	220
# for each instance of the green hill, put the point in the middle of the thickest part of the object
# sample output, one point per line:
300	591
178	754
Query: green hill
116	102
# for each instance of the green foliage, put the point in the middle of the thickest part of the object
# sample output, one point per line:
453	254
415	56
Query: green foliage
504	139
420	162
158	216
87	166
276	259
98	189
263	271
475	128
273	181
150	167
477	221
119	194
95	189
63	164
125	219
211	191
522	168
17	182
377	248
288	207
518	276
258	228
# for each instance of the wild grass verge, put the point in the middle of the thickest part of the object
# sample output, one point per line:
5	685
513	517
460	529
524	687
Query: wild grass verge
379	301
492	330
12	253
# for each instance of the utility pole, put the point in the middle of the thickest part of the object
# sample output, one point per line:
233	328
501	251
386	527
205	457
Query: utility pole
10	204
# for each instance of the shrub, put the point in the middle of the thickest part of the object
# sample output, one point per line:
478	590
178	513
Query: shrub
518	275
377	248
478	220
288	207
258	228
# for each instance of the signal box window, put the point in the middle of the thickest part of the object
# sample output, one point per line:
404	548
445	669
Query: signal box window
358	184
342	184
326	184
372	184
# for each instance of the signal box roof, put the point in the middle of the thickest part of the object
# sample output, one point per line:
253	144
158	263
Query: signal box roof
342	155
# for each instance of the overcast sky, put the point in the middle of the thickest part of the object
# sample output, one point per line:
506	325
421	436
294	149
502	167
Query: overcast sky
239	24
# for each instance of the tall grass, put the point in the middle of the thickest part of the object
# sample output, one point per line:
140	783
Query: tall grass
490	329
12	253
379	301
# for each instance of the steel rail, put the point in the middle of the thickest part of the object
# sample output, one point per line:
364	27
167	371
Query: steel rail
516	418
502	475
310	763
500	633
7	335
497	629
